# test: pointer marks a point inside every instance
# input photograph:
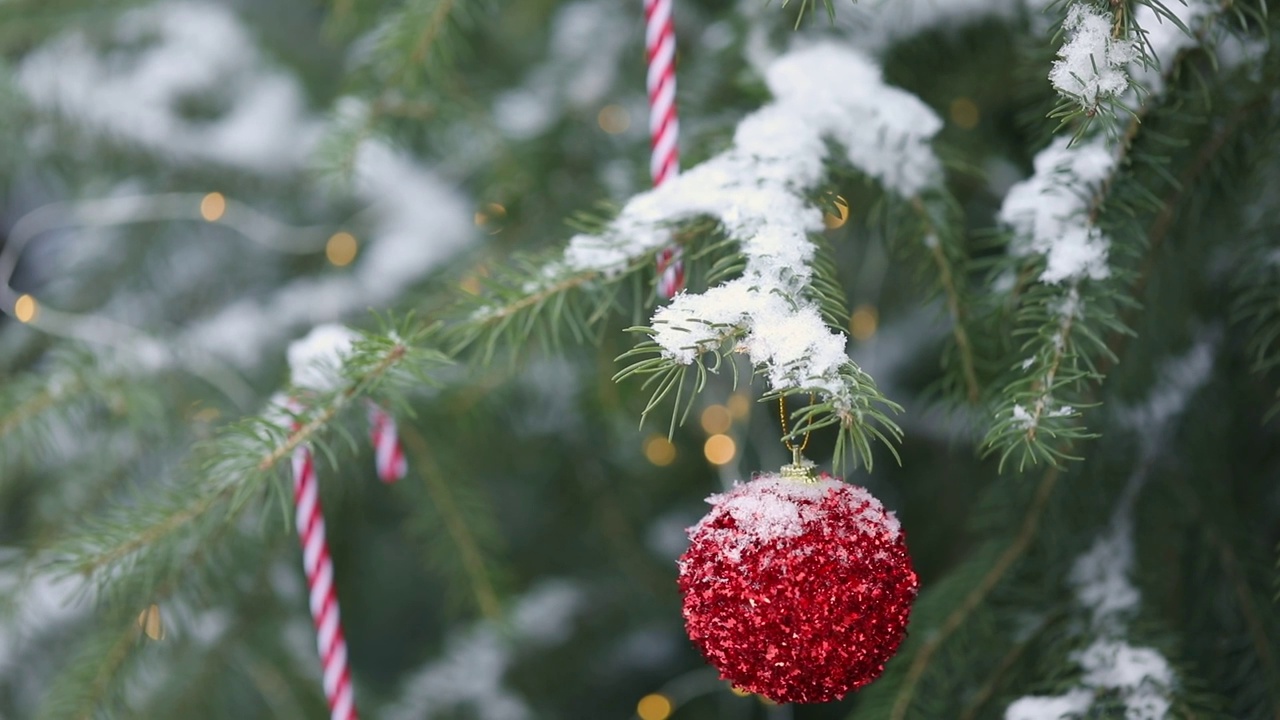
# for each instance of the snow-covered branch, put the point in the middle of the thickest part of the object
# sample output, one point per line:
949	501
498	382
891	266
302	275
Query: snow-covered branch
1141	677
1053	217
758	190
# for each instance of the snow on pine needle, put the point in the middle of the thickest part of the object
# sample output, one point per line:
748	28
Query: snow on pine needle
1105	60
1092	65
758	191
1049	211
1053	214
1139	677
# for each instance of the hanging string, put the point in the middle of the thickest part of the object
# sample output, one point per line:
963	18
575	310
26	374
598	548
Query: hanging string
804	443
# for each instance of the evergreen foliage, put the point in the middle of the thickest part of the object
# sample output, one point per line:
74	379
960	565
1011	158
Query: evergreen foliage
1060	304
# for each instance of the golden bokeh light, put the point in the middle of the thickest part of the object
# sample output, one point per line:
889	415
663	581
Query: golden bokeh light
206	415
863	322
964	113
720	449
739	406
835	221
213	206
151	622
716	419
470	284
614	119
491	218
654	707
341	248
25	308
659	450
473	282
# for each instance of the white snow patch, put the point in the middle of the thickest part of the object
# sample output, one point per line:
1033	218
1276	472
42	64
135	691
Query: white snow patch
876	25
1140	676
1117	665
756	190
1049	211
588	38
314	360
166	54
1074	702
470	673
419	222
771	508
1179	379
1165	39
32	603
545	616
1092	64
1101	578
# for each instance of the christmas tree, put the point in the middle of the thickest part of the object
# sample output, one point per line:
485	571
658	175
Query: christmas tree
382	357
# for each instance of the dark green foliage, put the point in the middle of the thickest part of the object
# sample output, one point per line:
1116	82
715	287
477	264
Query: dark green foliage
518	395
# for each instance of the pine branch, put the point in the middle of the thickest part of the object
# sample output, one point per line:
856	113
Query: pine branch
1261	637
921	659
420	39
1008	662
88	685
808	6
780	285
234	467
1070	311
65	398
947	280
460	531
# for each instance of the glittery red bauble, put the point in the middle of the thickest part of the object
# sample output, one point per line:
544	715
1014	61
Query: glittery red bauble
797	591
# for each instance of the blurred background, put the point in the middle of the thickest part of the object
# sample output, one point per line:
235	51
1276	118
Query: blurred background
187	187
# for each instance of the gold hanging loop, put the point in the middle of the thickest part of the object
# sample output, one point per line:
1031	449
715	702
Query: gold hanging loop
800	468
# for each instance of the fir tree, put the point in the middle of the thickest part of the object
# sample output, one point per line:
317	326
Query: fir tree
1013	265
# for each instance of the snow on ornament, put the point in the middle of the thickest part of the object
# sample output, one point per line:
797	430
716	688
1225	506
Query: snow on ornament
797	587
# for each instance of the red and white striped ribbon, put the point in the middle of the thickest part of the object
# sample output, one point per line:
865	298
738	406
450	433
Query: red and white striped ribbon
318	566
664	126
387	454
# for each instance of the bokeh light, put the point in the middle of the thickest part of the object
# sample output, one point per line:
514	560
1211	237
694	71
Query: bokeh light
25	308
341	248
716	419
720	449
654	707
614	119
835	221
213	206
863	322
659	450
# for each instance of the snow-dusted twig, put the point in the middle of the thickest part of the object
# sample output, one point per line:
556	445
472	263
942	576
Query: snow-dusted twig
1140	677
758	192
1054	216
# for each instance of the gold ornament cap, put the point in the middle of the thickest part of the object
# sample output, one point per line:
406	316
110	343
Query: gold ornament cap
801	468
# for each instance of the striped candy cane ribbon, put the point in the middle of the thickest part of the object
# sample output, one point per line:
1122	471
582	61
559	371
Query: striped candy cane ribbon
318	566
664	126
387	453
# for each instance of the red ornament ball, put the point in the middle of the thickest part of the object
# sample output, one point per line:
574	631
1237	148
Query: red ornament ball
797	590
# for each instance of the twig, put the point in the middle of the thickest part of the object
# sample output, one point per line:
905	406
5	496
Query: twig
302	434
953	307
472	559
953	621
